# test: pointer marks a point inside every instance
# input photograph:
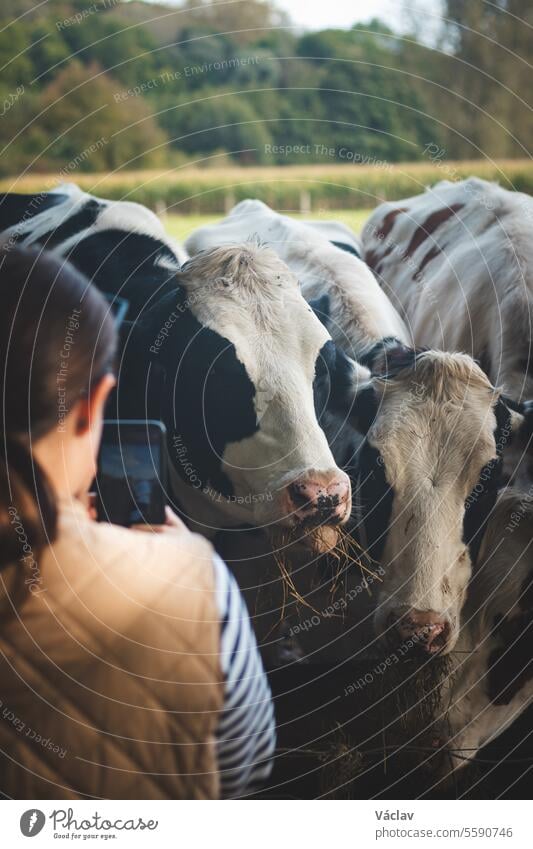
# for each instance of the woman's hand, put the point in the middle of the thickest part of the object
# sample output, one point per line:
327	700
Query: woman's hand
173	525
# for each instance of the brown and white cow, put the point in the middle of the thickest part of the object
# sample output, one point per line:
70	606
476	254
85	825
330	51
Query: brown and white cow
457	263
360	313
434	429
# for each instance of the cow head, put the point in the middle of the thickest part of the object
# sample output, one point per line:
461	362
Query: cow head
427	479
240	353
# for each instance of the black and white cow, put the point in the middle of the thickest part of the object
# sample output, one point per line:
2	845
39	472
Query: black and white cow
224	348
427	474
457	262
491	680
121	246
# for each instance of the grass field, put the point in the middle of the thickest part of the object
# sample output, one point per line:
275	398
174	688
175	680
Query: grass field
180	226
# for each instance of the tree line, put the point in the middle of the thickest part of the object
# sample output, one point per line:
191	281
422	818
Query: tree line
103	84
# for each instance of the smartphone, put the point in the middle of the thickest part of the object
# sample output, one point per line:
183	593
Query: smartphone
131	477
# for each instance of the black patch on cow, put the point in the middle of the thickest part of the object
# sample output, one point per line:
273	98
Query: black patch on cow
83	218
345	443
15	208
334	401
343	383
117	261
364	409
525	409
375	496
334	386
526	595
481	501
525	364
511	664
526	429
208	397
485	362
368	358
350	249
397	359
396	356
516	406
324	377
322	309
479	505
503	434
126	264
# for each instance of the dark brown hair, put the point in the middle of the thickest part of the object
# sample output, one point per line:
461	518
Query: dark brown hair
57	339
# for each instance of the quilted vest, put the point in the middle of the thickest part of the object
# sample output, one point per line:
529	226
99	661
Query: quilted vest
110	682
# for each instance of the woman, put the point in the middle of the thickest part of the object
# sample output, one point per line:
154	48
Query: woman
128	667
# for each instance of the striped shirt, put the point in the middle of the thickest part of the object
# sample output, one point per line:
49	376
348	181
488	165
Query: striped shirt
246	732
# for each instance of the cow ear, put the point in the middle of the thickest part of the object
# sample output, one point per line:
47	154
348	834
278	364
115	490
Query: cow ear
364	409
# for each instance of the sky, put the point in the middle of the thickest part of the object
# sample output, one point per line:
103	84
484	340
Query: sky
317	14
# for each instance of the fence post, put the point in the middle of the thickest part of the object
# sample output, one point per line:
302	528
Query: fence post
229	201
305	202
160	209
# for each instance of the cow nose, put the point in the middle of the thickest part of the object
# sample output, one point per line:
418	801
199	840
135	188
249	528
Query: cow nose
427	630
320	498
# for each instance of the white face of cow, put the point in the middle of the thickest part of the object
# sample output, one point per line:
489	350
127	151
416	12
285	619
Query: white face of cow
249	346
428	476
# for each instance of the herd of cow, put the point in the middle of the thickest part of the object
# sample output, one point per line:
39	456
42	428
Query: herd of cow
325	395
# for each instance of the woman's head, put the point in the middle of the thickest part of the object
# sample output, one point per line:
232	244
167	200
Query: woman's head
57	345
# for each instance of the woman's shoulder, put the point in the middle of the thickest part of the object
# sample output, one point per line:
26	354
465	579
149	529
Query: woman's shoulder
147	562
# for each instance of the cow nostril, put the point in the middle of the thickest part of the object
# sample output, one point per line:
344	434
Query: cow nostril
320	504
424	631
326	505
432	637
299	496
319	501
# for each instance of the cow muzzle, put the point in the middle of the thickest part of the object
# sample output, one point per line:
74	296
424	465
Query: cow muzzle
426	630
320	499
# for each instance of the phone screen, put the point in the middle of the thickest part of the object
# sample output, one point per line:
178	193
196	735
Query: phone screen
130	480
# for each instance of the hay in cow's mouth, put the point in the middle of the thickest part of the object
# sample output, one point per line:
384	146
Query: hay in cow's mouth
417	685
344	554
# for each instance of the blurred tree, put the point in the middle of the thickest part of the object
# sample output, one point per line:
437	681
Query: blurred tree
373	107
219	123
47	50
246	20
15	61
128	52
82	123
493	43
